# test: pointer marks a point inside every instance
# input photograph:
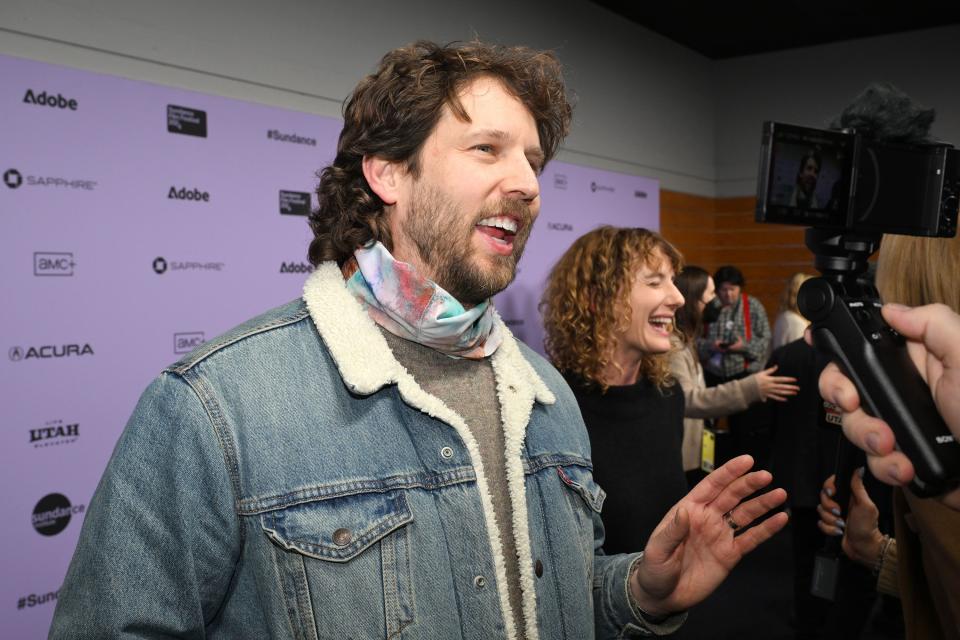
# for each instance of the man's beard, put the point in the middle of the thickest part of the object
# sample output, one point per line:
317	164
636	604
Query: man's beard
443	236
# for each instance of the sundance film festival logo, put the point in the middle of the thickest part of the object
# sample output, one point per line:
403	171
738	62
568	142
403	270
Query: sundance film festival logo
52	514
161	265
14	180
559	226
559	181
187	342
640	194
50	351
53	433
53	264
295	203
596	186
43	99
36	599
294	138
186	121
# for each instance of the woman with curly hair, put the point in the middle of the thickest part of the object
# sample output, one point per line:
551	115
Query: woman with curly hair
609	313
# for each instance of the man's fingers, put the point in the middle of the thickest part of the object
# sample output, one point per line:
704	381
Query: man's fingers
671	532
740	489
719	479
753	537
746	512
837	388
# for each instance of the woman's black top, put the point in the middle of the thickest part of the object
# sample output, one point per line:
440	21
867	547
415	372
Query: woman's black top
636	432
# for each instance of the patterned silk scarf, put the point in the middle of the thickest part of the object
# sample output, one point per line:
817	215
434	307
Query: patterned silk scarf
409	306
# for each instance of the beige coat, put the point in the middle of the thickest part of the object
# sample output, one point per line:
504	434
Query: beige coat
705	402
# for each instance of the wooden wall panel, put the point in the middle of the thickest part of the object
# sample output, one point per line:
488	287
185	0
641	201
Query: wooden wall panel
715	231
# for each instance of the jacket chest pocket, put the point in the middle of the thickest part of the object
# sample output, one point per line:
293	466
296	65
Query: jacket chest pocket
345	565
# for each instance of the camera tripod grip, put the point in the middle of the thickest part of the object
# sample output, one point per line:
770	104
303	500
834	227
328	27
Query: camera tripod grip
850	329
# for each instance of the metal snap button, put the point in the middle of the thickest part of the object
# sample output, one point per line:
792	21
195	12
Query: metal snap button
342	537
480	582
446	452
538	568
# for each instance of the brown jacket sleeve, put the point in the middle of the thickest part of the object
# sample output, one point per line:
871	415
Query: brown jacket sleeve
710	402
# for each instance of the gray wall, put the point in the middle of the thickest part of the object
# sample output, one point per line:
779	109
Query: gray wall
646	106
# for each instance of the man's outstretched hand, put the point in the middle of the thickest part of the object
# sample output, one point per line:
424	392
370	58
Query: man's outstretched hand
693	549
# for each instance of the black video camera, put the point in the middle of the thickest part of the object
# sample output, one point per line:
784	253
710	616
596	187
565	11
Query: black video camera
845	181
850	190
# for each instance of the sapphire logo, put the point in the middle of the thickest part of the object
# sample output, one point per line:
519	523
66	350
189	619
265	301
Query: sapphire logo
559	181
186	121
160	265
54	432
273	134
596	186
50	351
295	203
52	514
52	264
12	178
188	194
55	101
559	226
295	267
187	342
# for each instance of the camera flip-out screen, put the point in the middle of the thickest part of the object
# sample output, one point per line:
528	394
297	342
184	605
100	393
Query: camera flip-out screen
807	177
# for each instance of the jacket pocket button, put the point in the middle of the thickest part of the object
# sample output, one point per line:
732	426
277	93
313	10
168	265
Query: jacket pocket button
342	537
480	582
538	568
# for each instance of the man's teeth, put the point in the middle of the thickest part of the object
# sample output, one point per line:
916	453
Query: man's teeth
501	222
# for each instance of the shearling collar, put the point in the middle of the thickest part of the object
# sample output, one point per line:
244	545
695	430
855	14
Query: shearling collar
363	358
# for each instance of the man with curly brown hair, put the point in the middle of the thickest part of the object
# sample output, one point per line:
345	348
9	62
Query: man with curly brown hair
381	458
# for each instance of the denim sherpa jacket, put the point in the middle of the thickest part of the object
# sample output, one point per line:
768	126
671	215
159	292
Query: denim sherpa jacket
291	480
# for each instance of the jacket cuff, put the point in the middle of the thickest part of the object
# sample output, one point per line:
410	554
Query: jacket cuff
640	626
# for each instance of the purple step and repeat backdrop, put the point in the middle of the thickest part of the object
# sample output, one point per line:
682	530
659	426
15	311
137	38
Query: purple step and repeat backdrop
138	221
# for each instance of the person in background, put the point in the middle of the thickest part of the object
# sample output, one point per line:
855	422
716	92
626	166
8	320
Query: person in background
789	324
922	562
702	307
735	346
609	312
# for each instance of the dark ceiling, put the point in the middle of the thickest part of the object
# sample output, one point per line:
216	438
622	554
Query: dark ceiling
725	29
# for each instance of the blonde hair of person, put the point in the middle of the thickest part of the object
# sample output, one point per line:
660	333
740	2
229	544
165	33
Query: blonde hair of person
917	271
788	299
586	301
